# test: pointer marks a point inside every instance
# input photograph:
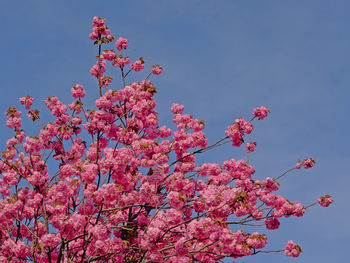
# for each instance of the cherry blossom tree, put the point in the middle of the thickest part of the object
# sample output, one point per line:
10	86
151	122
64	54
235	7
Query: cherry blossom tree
125	188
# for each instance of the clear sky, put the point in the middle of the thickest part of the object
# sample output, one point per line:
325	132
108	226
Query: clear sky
221	59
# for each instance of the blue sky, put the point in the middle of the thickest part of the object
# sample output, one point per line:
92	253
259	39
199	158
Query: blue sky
221	59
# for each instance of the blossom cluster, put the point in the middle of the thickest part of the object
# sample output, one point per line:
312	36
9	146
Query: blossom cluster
127	189
100	30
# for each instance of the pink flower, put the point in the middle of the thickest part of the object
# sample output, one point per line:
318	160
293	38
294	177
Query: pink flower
236	131
138	65
176	200
108	54
121	43
261	112
99	68
27	101
50	240
256	240
325	200
120	61
89	173
78	91
100	29
272	223
177	109
156	70
181	248
298	165
250	147
308	163
292	249
98	21
248	127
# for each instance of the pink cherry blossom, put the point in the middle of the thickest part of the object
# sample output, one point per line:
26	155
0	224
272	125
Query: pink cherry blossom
307	163
109	183
78	91
292	249
27	101
272	223
121	43
109	54
250	147
261	112
138	65
157	70
325	200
